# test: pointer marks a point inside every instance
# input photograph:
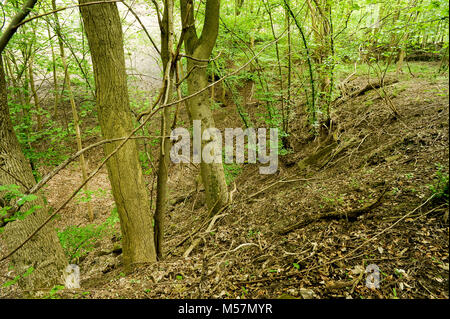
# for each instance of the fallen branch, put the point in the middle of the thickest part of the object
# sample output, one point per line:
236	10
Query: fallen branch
350	215
211	224
181	199
369	86
235	249
197	241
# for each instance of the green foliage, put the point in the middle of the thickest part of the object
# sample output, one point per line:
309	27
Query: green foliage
11	196
17	278
52	293
86	196
77	241
27	135
231	172
145	163
253	232
440	186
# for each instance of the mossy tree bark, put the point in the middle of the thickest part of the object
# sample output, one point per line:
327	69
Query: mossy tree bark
200	49
104	33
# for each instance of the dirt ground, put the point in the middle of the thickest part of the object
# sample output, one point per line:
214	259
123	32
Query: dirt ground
359	197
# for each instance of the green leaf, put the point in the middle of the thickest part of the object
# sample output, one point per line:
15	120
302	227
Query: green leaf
11	282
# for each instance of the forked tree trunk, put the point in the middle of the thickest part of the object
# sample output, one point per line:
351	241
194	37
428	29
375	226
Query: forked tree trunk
200	49
44	252
104	33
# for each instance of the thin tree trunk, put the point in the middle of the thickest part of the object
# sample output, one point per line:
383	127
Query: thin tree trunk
161	186
55	75
280	73
35	96
289	80
17	92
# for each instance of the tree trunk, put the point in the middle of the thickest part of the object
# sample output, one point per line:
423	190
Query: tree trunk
37	105
55	76
163	166
104	33
44	252
213	176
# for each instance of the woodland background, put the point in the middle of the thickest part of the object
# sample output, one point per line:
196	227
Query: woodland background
357	88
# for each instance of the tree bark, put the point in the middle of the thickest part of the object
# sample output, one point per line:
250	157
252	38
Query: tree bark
104	33
200	48
14	24
165	144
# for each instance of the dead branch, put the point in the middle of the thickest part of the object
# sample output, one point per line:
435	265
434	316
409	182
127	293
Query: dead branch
369	86
197	241
350	215
346	257
276	183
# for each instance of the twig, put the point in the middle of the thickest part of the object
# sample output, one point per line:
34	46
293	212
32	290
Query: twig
143	27
197	241
236	249
199	60
347	256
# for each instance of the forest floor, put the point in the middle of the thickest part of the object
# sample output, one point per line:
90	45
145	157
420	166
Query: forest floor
367	194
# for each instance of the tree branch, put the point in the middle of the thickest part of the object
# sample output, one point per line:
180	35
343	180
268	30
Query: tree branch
15	23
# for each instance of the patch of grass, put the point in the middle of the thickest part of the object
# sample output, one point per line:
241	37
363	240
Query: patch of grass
52	294
440	185
231	172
